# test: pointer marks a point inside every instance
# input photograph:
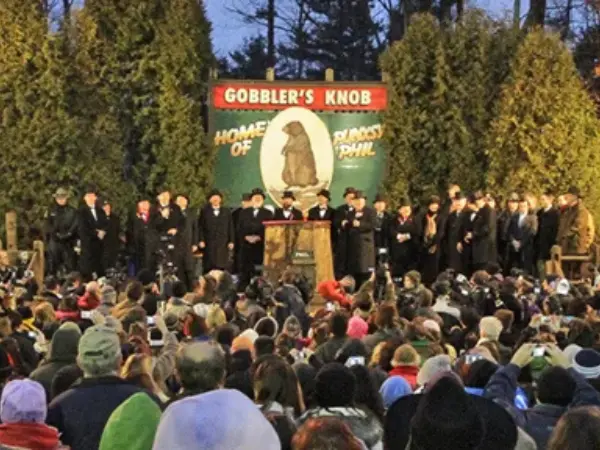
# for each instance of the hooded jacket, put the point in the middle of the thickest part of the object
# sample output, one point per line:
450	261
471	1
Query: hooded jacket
29	436
63	352
132	425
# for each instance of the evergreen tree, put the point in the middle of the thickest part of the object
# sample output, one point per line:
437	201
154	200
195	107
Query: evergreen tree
184	155
546	134
423	127
250	61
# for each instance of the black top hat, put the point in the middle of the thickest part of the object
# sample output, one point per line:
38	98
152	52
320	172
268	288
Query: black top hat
288	194
459	195
246	197
143	198
434	199
472	418
257	191
90	189
214	192
404	201
573	190
513	197
379	198
359	194
162	189
325	193
349	190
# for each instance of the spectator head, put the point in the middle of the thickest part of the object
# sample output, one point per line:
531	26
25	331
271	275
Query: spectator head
225	335
44	313
587	363
292	327
338	324
221	419
51	284
406	355
264	345
325	433
506	318
267	326
134	291
352	348
200	366
387	316
357	327
109	295
306	377
348	284
23	401
470	318
275	382
479	373
442	288
581	333
392	389
578	429
335	386
433	368
412	279
446	414
136	314
99	352
481	278
556	386
216	317
68	304
178	289
363	305
490	328
577	307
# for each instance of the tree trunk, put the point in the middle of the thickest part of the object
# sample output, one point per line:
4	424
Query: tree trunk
271	33
537	13
517	14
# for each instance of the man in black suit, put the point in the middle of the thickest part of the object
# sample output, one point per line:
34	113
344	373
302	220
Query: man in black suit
112	240
217	236
322	210
188	241
61	234
521	236
166	226
382	222
91	227
477	233
452	234
138	236
403	238
235	215
503	222
548	217
287	210
361	240
251	232
340	220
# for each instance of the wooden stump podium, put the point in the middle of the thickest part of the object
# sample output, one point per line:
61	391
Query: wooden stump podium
305	246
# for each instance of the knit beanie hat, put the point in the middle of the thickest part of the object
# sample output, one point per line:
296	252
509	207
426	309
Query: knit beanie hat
357	327
394	388
267	326
587	363
23	401
132	426
217	420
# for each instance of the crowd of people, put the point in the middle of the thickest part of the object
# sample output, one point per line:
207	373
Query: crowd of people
421	347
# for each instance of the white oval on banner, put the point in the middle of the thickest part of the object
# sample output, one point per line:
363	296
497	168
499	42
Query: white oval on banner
296	154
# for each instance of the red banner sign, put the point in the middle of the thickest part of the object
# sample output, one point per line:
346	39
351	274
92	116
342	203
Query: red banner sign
267	96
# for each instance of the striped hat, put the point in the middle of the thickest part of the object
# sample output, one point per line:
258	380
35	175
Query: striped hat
587	363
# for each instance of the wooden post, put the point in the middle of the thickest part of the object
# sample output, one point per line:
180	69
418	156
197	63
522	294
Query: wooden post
385	77
38	262
11	236
270	74
329	75
213	73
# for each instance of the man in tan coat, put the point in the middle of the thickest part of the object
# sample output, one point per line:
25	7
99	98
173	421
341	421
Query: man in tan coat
576	225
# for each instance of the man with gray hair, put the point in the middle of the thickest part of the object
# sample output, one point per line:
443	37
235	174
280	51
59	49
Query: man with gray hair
81	412
108	299
200	367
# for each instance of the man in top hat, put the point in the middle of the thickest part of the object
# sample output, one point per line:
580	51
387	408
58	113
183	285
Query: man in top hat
92	224
576	226
521	235
287	210
452	258
112	241
431	231
138	238
251	232
188	240
61	233
403	236
166	227
340	221
477	234
322	210
361	240
503	223
246	202
216	233
382	222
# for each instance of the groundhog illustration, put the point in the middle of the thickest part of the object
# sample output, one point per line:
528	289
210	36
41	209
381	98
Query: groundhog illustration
299	168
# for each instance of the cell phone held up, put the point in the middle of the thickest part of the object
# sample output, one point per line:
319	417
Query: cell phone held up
538	351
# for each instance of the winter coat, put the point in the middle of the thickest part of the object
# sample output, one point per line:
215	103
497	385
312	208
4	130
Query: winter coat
575	230
540	420
63	352
409	373
81	413
29	436
326	352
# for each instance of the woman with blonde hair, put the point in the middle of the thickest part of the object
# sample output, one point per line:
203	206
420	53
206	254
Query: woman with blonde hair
43	315
138	370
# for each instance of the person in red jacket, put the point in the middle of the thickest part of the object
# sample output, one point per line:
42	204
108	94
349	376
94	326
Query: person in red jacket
406	364
91	299
337	291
